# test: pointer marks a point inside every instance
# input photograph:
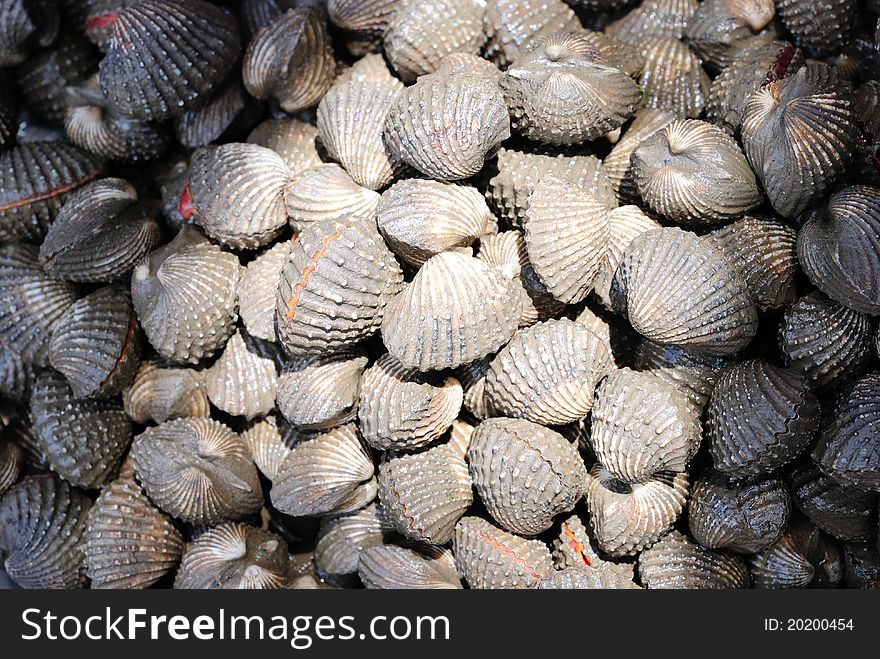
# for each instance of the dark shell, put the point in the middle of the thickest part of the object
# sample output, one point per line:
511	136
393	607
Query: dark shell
42	528
256	290
243	379
229	111
473	381
197	470
862	565
760	416
12	461
617	163
823	29
672	78
575	578
165	57
15	374
676	562
291	139
654	18
160	393
259	13
9	107
342	539
511	25
719	29
802	557
363	21
25	24
419	567
83	441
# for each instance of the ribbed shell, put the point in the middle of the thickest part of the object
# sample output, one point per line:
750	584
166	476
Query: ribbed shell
35	179
334	287
419	567
15	374
234	557
460	437
42	528
798	134
848	447
657	286
237	194
457	309
839	248
342	539
488	557
31	303
129	542
567	233
83	441
243	379
512	25
694	375
365	20
719	29
290	61
228	109
112	136
269	441
322	391
760	416
822	29
548	372
525	474
165	56
292	139
624	224
695	174
99	234
420	218
563	91
654	18
574	578
197	470
673	78
618	54
326	192
185	296
627	518
573	548
676	562
325	475
471	64
425	494
447	124
256	290
160	393
24	26
802	557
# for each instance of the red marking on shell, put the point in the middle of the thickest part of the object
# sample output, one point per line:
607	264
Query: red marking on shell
48	194
123	353
100	21
308	270
509	552
576	545
780	66
186	208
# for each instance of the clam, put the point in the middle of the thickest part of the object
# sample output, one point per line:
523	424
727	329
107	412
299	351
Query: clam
576	548
292	139
584	579
11	463
25	25
460	434
269	440
512	24
470	64
229	112
326	192
16	374
364	22
260	13
719	29
617	163
654	18
256	290
672	78
473	382
341	540
243	379
403	567
677	562
624	224
803	556
820	30
618	53
160	393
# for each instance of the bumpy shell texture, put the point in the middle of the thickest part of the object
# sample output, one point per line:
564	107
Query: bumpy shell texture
327	192
617	163
342	539
694	375
677	562
654	18
820	29
242	381
393	566
720	28
159	393
292	139
512	24
672	78
256	290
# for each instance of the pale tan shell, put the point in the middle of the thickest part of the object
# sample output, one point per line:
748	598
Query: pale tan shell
327	192
243	379
692	374
512	24
292	139
473	380
624	224
159	393
576	548
419	567
270	442
654	18
342	539
673	77
256	290
460	437
598	325
677	562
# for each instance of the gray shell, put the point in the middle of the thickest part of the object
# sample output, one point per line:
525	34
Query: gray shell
160	393
270	441
802	557
243	379
404	567
578	578
292	139
326	192
511	25
342	539
256	290
676	562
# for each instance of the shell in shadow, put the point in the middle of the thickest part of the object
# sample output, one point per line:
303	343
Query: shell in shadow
802	557
676	562
256	290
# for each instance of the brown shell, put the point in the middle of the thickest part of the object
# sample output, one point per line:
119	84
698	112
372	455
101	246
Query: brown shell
673	78
256	290
292	139
270	441
12	460
290	61
760	416
694	173
197	470
676	562
364	21
327	193
26	25
511	25
719	29
243	379
692	374
574	578
342	539
160	393
447	124
624	224
185	296
617	163
488	557
802	557
654	18
419	567
457	309
821	30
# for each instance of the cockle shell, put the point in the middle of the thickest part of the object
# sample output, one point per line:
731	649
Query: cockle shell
185	296
801	557
473	381
342	539
365	21
256	290
243	379
447	124
655	286
160	393
235	557
460	437
25	25
617	163
335	286
402	567
326	192
574	548
624	224
618	54
12	460
760	416
525	474
292	139
692	374
574	578
719	29
694	173
677	562
259	13
457	309
488	557
15	374
512	24
672	78
654	18
197	470
230	112
821	30
269	440
470	64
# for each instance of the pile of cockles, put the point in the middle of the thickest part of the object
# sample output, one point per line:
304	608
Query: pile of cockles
439	294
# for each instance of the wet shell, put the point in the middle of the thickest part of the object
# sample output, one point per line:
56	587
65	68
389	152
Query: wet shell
548	372
563	91
447	124
99	234
365	21
798	134
617	163
694	375
525	474
420	218
291	139
488	557
567	233
322	391
802	557
425	494
371	68
470	64
12	460
234	557
625	517
764	252
42	528
269	441
243	379
160	393
840	248
655	285
862	565
825	341
676	562
327	192
342	539
256	290
820	29
197	470
845	512
35	179
96	345
624	224
744	517
25	25
290	61
459	308
15	374
512	24
760	416
31	303
325	475
848	447
403	409
421	33
185	296
229	111
719	29
673	78
396	567
618	54
236	193
693	173
654	18
129	542
334	287
165	56
575	578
